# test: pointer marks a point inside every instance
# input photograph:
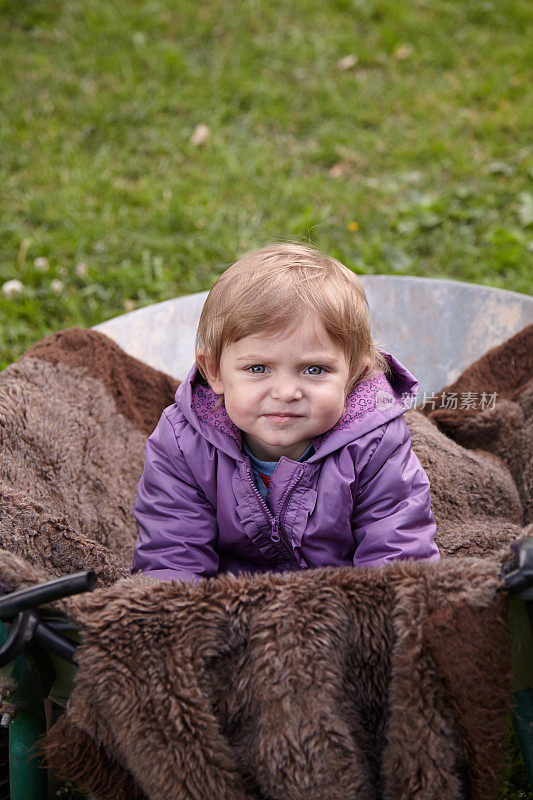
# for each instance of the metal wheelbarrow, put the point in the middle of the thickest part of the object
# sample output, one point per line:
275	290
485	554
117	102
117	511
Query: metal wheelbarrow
435	327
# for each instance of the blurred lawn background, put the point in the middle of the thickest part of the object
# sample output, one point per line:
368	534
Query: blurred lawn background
393	135
396	136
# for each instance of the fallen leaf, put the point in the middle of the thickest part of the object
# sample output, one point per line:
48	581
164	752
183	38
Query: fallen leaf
348	62
337	170
499	168
406	226
403	51
415	176
525	209
200	135
139	38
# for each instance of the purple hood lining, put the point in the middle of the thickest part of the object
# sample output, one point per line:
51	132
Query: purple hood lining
373	402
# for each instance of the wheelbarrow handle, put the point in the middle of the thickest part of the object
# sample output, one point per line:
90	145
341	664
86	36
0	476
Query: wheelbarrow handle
54	642
31	596
520	580
20	634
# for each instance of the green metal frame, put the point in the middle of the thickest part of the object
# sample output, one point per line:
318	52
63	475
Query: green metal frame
27	771
522	679
27	692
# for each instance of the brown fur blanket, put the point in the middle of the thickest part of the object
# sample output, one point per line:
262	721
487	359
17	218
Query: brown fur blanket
334	683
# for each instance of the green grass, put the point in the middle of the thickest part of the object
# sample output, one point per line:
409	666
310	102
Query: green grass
100	100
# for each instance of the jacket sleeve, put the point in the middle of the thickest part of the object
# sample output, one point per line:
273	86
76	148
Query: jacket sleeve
392	511
177	525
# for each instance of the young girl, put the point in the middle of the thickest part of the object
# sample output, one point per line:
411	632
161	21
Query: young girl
287	447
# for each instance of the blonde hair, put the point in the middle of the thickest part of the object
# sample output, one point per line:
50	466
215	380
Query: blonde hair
270	289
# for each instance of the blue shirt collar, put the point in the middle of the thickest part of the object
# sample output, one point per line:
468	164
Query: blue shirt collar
268	467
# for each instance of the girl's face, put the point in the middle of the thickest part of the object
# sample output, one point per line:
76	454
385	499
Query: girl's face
282	391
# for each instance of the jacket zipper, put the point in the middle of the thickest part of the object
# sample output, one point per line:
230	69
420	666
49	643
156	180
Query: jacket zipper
285	501
274	522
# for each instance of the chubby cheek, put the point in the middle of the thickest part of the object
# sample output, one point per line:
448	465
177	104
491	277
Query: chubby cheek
333	414
331	405
241	406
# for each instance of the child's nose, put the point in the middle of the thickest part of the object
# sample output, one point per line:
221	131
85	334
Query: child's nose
285	390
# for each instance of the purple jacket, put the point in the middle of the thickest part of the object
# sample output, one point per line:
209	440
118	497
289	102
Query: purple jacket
362	498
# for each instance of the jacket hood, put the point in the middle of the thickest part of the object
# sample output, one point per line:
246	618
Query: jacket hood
372	403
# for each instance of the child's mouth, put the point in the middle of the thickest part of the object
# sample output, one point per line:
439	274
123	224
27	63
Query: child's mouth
281	417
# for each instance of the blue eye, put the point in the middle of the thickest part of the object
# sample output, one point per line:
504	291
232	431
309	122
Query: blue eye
260	369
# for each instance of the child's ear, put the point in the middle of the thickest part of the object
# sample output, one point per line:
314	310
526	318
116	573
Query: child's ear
209	371
364	368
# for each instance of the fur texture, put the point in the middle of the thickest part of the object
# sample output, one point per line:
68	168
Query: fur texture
324	685
140	392
507	429
335	683
68	470
474	499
